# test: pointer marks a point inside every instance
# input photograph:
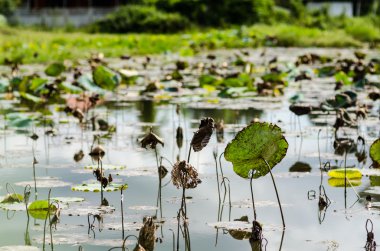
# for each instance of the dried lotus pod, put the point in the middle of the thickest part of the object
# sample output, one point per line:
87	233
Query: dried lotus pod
203	135
300	109
184	175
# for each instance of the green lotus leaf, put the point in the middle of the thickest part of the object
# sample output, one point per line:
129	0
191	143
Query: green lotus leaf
105	167
374	152
105	78
55	69
39	209
351	173
336	182
254	144
96	187
12	198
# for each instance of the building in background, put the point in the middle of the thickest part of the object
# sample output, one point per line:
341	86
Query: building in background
63	12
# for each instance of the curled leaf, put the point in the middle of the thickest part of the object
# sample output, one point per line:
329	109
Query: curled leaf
203	135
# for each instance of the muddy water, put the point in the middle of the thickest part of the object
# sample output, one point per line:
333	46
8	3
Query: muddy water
340	227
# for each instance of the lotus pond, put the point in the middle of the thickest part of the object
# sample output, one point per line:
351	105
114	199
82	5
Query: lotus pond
158	153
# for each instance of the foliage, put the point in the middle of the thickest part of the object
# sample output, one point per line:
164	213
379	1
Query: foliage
252	146
7	7
138	18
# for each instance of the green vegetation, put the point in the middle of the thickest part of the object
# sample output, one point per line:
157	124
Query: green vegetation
30	46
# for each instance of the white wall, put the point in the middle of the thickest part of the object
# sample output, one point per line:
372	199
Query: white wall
335	8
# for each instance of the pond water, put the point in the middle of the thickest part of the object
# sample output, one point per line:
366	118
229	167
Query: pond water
340	226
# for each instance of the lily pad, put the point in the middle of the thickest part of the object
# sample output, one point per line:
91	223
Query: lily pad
105	77
96	187
374	152
336	182
54	69
19	248
254	144
39	209
67	199
351	173
44	182
105	167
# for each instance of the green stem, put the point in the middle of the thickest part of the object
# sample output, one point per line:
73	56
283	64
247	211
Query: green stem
275	188
253	200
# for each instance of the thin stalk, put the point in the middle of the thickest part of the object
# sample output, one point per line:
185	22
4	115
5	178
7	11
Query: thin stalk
122	211
319	151
101	178
220	164
345	180
275	188
188	156
217	178
48	215
34	176
253	200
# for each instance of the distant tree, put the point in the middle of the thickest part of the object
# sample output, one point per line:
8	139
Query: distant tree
7	7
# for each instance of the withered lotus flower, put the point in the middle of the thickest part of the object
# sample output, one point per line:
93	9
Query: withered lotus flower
184	175
151	140
203	135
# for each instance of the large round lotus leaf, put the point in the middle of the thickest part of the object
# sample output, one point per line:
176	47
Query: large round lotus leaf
252	145
374	152
351	173
39	209
105	167
96	187
335	182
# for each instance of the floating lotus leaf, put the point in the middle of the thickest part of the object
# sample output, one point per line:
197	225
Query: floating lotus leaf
336	182
374	181
105	77
374	152
54	69
12	198
67	199
44	182
105	167
96	187
39	209
19	248
351	173
252	145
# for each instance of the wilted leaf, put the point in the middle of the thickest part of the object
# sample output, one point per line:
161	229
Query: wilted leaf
252	145
13	198
203	135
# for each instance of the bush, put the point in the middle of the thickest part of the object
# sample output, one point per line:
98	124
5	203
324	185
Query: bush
7	7
138	18
363	29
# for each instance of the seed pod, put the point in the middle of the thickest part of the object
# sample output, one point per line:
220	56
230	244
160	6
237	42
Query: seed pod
184	175
78	156
97	174
300	109
78	114
104	182
110	179
203	135
179	137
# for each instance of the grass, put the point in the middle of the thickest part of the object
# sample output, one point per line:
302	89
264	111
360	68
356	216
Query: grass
25	44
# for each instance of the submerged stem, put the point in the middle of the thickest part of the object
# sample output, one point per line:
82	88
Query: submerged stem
275	188
253	200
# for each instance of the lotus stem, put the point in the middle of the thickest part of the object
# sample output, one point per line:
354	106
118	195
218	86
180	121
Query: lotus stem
253	200
217	177
275	188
